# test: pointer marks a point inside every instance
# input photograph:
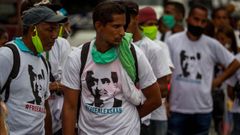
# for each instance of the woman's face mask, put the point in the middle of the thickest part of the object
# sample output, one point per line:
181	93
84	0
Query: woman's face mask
150	31
37	41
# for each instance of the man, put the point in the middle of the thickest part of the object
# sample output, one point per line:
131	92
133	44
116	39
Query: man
154	53
56	58
27	102
104	110
147	22
172	19
194	56
234	94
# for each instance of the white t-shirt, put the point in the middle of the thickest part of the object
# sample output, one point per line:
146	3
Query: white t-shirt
158	60
104	110
232	82
193	74
57	57
156	56
28	92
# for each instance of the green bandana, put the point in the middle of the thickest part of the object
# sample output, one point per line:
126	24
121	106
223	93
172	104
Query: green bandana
126	57
104	58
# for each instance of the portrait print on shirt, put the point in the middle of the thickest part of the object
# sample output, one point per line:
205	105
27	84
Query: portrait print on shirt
190	67
104	91
36	81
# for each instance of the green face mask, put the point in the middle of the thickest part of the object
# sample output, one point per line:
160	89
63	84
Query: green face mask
168	21
37	42
60	34
150	31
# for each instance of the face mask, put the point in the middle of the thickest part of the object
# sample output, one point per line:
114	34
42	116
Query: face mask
37	42
150	31
60	33
195	30
168	21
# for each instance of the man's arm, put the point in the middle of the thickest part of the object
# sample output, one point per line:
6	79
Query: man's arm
48	120
163	84
229	71
70	106
153	100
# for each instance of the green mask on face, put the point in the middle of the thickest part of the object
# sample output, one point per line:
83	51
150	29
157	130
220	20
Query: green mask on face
37	42
168	21
150	31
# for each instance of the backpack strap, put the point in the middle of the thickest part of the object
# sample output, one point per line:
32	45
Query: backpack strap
84	55
14	72
136	61
45	63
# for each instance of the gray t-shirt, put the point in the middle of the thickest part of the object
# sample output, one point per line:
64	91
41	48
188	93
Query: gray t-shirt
193	74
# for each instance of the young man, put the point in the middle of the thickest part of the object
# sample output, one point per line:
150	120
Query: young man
147	22
56	58
234	94
104	109
28	92
154	53
194	56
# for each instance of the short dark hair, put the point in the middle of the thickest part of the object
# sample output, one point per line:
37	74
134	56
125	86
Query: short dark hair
103	12
178	6
197	6
131	8
214	12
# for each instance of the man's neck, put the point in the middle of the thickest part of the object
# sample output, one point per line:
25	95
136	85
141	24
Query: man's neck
192	37
137	35
102	46
28	42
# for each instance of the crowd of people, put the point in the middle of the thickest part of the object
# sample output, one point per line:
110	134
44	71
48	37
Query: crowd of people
140	75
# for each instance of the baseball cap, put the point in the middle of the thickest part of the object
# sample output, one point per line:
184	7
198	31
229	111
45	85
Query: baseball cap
146	13
39	14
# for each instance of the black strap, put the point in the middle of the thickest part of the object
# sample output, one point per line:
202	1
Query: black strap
136	61
14	72
84	55
45	62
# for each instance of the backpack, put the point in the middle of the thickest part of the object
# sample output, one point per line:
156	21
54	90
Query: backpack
84	55
15	70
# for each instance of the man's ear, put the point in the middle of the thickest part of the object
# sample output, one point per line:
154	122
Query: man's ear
98	25
33	30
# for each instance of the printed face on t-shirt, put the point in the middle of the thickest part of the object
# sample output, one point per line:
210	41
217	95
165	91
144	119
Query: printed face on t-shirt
103	89
189	65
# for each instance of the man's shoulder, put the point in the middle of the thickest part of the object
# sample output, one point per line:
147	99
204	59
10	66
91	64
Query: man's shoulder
177	36
150	44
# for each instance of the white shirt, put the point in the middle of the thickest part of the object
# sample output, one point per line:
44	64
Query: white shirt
232	82
28	92
193	74
104	110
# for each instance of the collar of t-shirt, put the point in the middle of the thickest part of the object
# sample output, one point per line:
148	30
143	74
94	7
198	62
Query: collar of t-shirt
21	45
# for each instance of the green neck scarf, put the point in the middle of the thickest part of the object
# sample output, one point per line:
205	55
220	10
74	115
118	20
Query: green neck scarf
104	58
126	57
